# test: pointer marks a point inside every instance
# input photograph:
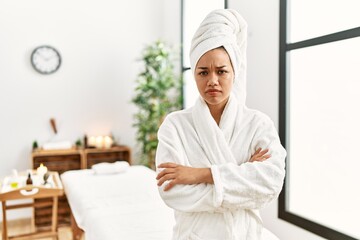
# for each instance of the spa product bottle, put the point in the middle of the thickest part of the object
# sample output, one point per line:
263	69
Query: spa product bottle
29	180
14	179
85	141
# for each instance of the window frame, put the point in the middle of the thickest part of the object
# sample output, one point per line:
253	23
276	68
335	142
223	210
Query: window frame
284	48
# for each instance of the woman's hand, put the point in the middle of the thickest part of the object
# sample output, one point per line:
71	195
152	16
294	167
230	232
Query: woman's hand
179	174
260	156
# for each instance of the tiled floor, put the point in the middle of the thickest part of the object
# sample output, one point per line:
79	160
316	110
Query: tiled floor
24	226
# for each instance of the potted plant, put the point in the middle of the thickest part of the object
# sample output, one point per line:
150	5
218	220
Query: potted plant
157	93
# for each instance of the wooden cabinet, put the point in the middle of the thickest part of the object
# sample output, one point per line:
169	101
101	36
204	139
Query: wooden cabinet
73	159
94	156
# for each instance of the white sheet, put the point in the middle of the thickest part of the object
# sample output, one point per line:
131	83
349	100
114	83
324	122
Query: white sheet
118	206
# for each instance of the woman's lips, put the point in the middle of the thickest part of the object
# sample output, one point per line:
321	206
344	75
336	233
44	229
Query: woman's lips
213	91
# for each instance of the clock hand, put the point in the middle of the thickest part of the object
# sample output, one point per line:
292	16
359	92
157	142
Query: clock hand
50	57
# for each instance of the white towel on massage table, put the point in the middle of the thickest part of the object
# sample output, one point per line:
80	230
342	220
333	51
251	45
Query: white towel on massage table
110	168
118	206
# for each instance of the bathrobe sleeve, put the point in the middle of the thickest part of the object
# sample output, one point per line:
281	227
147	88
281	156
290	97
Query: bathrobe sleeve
185	198
251	185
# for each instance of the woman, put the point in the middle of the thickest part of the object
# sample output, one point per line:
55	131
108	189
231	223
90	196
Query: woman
212	169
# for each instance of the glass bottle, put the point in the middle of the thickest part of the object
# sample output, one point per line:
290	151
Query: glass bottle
29	180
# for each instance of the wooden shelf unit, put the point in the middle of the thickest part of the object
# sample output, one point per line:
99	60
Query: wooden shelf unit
72	159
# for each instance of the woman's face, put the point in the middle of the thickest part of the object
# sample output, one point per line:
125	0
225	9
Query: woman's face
214	77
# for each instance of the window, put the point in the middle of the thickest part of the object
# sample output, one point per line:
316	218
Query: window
320	115
193	12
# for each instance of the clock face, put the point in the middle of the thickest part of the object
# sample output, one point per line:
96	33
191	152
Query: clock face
45	59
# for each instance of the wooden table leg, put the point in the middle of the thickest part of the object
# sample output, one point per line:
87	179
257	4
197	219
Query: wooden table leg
54	215
77	232
4	228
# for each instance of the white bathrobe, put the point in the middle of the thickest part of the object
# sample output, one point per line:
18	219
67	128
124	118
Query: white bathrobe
227	209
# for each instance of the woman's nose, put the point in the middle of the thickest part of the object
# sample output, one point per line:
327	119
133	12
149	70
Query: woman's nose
213	80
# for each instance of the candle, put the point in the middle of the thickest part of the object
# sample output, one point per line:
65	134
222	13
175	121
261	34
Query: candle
108	142
92	141
99	142
41	171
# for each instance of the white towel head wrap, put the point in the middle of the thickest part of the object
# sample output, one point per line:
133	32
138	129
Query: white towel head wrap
224	27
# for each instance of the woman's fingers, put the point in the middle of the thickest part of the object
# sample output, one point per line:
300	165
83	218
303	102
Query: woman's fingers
166	178
262	158
177	174
260	155
164	172
170	185
167	165
257	151
264	152
168	168
168	173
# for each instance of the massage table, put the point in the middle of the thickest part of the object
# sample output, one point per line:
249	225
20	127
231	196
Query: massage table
121	206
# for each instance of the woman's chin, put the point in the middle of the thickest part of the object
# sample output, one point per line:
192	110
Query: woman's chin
215	100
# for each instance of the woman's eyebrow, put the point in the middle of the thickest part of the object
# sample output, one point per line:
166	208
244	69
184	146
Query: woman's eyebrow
224	66
202	68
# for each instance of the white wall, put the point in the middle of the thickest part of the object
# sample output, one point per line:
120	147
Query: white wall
100	42
91	92
171	27
262	17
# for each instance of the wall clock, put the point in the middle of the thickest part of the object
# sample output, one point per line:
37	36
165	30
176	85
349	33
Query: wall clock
45	59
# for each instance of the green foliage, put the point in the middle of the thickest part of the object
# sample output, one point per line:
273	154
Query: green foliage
35	145
157	94
78	143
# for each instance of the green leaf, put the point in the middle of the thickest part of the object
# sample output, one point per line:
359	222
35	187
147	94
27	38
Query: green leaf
157	93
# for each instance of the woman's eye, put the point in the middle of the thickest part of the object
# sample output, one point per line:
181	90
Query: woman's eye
203	73
221	71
